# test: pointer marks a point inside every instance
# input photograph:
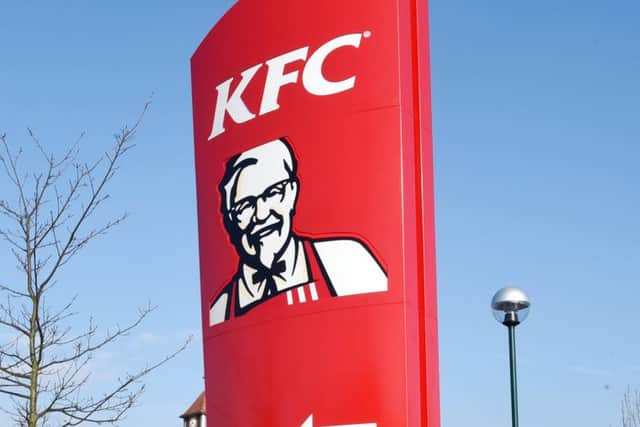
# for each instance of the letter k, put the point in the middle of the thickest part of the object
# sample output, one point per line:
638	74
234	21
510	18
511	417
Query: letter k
234	105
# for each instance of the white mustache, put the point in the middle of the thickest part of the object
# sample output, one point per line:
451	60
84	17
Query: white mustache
272	224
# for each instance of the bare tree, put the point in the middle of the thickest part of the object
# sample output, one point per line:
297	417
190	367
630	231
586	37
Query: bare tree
44	369
630	408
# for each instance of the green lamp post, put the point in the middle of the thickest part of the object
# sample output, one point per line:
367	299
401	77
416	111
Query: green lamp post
511	307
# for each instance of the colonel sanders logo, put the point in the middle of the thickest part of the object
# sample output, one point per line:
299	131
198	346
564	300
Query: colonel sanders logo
259	192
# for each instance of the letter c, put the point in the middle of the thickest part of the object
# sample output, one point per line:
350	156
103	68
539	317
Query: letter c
312	77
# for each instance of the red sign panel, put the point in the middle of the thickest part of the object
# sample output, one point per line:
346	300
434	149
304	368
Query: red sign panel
315	207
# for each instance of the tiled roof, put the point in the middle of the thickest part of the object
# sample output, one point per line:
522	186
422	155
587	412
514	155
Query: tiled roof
197	408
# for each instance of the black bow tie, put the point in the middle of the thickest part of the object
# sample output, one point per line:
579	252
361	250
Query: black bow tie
268	275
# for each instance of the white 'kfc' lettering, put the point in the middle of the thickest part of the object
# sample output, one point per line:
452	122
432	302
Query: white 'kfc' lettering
313	81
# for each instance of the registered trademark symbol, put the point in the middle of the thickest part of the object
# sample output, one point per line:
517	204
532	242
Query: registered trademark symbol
367	34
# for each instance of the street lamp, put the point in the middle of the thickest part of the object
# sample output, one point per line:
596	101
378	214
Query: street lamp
511	307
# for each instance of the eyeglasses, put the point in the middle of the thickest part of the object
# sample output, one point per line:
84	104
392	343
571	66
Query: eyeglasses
243	210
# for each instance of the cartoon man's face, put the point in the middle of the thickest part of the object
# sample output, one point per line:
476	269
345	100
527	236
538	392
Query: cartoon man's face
261	202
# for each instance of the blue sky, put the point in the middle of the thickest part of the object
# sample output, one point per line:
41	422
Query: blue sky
536	112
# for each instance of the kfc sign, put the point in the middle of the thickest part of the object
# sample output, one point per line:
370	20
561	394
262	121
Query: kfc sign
315	215
313	81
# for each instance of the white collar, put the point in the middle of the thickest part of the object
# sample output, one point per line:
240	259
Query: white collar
295	274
